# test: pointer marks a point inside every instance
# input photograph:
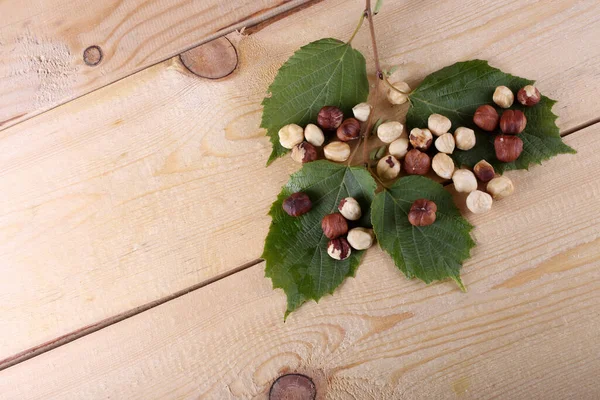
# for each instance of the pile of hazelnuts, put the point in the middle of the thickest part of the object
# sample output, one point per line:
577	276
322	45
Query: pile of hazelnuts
335	226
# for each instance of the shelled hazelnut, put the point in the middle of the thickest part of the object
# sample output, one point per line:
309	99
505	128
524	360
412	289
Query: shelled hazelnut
420	139
529	96
417	162
479	202
330	118
422	213
360	238
486	117
513	122
438	124
350	209
297	204
464	181
445	143
291	135
314	135
399	147
390	131
334	225
388	168
443	165
361	111
500	187
337	151
395	96
304	152
508	147
339	249
348	130
484	171
464	138
503	97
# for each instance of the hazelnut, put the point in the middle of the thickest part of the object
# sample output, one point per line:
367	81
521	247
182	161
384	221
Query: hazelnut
348	130
503	97
334	225
464	181
438	124
297	204
486	117
350	209
362	111
399	147
420	138
314	135
443	165
529	96
508	147
417	163
484	171
395	97
337	151
390	131
304	152
513	122
291	135
388	167
445	143
338	249
330	118
500	187
464	138
479	202
422	213
360	238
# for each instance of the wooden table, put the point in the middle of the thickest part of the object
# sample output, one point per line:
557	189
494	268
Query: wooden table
133	201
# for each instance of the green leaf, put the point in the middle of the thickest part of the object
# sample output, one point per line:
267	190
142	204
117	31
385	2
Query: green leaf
433	252
296	249
456	92
325	72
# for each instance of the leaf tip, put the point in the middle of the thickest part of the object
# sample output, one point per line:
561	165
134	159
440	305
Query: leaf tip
458	281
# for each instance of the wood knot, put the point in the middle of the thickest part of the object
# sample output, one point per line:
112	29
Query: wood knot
213	60
293	387
92	55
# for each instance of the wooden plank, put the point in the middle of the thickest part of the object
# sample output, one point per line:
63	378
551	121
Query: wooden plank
42	43
527	328
143	188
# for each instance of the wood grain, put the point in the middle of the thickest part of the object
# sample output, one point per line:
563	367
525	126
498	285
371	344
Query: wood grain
527	328
42	43
158	182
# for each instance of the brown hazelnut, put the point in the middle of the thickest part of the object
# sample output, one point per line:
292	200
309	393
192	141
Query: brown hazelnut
334	225
486	117
422	213
529	96
348	130
484	171
339	249
508	147
420	138
297	204
330	118
417	163
513	122
304	152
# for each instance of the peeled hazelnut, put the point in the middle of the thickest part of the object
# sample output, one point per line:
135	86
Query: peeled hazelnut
348	130
350	209
396	97
388	167
508	147
361	111
304	152
334	225
337	151
330	118
314	135
503	97
464	138
417	163
399	147
422	213
479	202
529	96
486	117
438	124
390	131
500	187
297	204
291	135
420	138
484	171
513	122
445	143
464	181
360	238
443	165
339	249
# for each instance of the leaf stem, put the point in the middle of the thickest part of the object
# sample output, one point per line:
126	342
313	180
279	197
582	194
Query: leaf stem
360	22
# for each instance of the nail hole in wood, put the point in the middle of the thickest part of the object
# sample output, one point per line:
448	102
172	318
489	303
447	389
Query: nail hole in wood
213	60
92	55
293	387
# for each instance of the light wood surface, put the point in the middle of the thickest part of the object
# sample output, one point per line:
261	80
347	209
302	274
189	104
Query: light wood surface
42	43
527	328
157	182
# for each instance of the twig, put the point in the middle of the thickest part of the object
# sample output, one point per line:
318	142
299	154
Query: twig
369	15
